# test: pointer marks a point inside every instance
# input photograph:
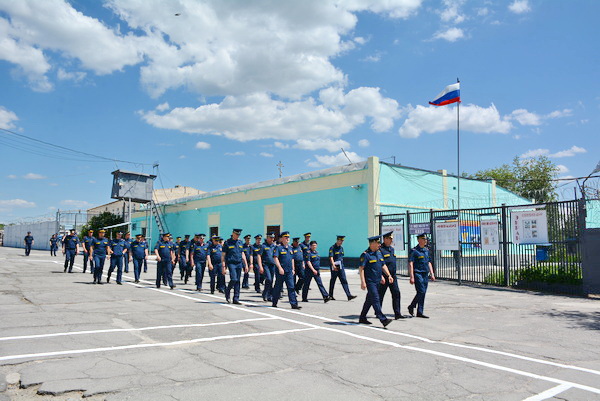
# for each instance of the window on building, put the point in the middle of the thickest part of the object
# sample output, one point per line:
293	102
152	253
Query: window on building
274	229
214	231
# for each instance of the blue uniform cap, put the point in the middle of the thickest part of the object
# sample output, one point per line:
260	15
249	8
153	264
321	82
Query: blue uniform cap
375	238
138	236
341	236
296	239
187	236
388	234
178	237
307	234
102	231
237	230
285	234
424	235
165	234
272	235
257	236
247	236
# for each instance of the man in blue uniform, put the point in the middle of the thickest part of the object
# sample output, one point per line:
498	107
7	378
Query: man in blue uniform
256	251
119	250
268	264
298	264
233	259
127	256
373	271
336	263
98	251
312	268
199	257
182	255
53	245
165	256
87	245
28	241
138	253
284	260
419	270
145	260
389	258
70	249
247	248
214	250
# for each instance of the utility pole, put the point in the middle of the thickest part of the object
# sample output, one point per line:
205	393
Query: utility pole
280	166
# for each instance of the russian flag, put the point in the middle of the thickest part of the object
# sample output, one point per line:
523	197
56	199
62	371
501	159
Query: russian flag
451	94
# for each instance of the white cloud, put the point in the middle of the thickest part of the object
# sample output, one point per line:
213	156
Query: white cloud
238	153
9	204
327	144
569	152
182	156
360	40
519	6
452	11
7	118
77	204
525	117
202	145
265	154
562	169
363	143
560	113
163	106
535	153
482	12
334	160
451	34
11	176
91	181
281	145
473	118
76	76
34	176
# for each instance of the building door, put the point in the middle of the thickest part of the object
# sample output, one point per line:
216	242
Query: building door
275	230
213	231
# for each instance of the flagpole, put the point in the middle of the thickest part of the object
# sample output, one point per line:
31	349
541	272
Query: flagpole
458	188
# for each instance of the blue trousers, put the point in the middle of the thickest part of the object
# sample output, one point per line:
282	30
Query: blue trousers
98	266
116	261
126	262
308	276
245	280
421	282
69	258
27	249
256	277
395	291
235	272
288	277
300	273
200	268
53	249
137	267
341	273
269	274
164	272
86	256
182	265
372	300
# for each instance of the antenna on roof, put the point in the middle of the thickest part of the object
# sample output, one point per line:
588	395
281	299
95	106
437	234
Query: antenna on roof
346	155
280	166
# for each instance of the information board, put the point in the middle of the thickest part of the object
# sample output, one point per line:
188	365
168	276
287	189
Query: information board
529	227
398	233
446	236
489	235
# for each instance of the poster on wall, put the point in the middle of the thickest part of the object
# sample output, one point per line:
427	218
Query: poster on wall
446	236
398	230
529	227
489	235
419	228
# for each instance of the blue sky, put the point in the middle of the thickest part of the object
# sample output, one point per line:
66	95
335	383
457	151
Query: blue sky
220	93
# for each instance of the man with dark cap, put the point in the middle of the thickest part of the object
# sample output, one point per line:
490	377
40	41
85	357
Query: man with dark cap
336	263
199	258
373	271
87	244
182	255
268	264
70	249
233	259
312	270
165	256
28	241
119	250
298	264
256	262
98	251
138	253
389	258
214	269
420	270
53	245
284	260
128	240
247	248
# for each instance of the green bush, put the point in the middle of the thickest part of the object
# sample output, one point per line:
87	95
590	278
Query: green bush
543	272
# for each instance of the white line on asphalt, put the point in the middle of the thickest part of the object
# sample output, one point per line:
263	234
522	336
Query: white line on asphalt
548	393
175	326
169	344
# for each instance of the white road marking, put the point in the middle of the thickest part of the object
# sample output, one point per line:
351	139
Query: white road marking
548	393
174	326
169	344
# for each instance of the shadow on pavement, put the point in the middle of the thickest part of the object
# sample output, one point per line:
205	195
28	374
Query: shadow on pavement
589	320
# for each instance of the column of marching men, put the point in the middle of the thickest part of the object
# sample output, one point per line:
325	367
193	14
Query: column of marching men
274	263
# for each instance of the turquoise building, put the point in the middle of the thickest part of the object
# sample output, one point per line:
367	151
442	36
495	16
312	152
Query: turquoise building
343	200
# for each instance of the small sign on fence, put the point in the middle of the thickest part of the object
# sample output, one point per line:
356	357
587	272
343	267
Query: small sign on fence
446	236
419	228
529	227
489	235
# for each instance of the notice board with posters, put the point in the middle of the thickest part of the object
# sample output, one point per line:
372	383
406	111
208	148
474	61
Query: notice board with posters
398	235
446	235
490	235
529	227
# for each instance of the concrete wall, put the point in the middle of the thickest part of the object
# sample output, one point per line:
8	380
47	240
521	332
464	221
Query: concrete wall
41	233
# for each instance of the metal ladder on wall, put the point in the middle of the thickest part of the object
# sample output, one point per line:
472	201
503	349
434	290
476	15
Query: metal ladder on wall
158	216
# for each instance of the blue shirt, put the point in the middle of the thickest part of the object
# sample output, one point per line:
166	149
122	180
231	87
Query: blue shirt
314	259
247	249
298	255
285	256
71	242
88	242
420	258
389	257
28	239
337	253
372	263
267	253
138	249
118	246
199	251
164	249
215	254
233	249
305	248
256	251
53	241
100	245
183	247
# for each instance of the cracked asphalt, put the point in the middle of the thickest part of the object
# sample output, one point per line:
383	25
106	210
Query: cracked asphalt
63	338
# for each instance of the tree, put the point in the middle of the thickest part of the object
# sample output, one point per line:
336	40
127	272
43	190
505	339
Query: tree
102	220
531	178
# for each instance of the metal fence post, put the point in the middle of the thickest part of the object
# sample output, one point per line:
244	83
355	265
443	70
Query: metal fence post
505	247
380	216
